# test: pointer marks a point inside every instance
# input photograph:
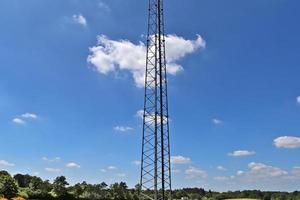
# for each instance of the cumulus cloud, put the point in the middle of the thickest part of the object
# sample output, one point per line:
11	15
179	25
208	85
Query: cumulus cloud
122	55
123	128
79	19
73	165
242	153
5	163
22	119
180	160
53	170
217	121
261	171
193	172
18	121
287	142
29	116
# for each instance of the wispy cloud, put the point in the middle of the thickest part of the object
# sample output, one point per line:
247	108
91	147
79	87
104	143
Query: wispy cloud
217	121
298	100
122	128
242	153
117	55
102	5
51	159
136	162
288	142
221	168
5	163
53	170
79	19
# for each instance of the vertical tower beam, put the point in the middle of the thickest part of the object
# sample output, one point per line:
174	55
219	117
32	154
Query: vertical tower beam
155	180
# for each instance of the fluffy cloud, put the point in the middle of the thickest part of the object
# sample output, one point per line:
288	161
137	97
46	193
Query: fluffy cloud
29	116
217	121
73	165
5	163
242	153
261	171
123	128
298	100
180	160
24	117
287	142
18	121
79	19
117	55
193	172
53	170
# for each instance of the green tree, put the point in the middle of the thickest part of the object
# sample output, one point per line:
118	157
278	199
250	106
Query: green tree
22	180
59	186
8	187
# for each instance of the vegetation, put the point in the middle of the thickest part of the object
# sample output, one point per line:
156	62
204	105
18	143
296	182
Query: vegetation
22	187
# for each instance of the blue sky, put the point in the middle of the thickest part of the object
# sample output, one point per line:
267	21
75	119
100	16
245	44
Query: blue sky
233	92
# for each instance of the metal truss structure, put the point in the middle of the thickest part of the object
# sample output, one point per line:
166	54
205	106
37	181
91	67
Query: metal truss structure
155	177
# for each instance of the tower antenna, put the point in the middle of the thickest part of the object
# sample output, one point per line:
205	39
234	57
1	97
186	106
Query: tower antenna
155	180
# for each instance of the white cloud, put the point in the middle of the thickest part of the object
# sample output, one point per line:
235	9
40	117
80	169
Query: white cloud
54	170
193	172
140	114
180	160
112	168
18	121
24	117
73	165
262	171
298	100
79	19
217	121
221	168
103	6
136	162
103	170
29	116
117	55
240	173
5	163
242	153
123	128
287	142
51	159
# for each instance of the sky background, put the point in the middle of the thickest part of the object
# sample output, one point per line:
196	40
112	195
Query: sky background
234	99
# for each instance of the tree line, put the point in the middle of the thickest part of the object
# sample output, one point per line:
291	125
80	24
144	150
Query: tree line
24	186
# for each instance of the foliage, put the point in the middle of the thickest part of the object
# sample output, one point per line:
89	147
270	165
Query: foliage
8	187
32	187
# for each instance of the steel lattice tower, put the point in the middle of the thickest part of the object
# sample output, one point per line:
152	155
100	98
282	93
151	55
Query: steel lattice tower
155	179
